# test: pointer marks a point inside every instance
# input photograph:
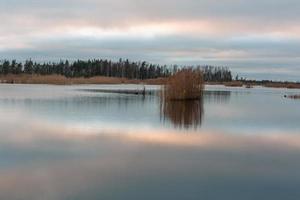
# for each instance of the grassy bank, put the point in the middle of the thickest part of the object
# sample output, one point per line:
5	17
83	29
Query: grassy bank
250	84
62	80
283	85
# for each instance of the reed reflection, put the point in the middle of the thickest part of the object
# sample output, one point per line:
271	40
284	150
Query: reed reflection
182	114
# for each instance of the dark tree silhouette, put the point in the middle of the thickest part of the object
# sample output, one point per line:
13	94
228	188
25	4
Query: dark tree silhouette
102	67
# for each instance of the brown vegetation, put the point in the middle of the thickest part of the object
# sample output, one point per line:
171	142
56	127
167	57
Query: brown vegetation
234	84
156	81
293	96
283	85
62	80
186	84
181	100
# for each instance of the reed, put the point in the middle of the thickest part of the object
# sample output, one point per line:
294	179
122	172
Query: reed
233	84
62	80
186	84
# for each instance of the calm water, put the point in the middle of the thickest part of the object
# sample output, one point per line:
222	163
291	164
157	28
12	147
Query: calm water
68	142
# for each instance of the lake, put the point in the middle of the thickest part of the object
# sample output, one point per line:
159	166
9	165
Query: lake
74	142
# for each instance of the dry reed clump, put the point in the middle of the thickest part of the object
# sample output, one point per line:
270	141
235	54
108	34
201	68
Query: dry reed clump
186	84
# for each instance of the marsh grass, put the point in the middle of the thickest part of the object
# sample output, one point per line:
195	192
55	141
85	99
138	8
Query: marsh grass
283	85
234	84
181	98
186	84
62	80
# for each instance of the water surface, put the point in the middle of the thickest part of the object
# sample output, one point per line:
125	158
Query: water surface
65	142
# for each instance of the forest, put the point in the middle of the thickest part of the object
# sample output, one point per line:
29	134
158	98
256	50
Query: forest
102	67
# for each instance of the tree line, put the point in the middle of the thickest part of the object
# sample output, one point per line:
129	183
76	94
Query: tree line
102	67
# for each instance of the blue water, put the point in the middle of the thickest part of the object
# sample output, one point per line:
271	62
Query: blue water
66	142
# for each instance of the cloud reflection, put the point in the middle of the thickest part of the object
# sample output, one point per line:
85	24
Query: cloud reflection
50	161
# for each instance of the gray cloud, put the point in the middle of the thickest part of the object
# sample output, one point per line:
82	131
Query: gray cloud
248	36
111	9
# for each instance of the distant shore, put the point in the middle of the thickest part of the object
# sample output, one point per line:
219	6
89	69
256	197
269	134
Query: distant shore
62	80
251	84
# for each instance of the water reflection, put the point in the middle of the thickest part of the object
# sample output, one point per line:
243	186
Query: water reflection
183	114
90	109
217	96
44	157
190	114
42	161
225	108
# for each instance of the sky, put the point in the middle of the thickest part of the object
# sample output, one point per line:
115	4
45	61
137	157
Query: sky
255	38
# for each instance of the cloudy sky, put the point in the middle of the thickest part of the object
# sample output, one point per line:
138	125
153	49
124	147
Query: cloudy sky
255	38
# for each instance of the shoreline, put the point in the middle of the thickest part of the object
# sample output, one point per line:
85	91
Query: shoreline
62	80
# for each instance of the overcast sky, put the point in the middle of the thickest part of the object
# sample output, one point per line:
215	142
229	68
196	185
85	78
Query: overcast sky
255	38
